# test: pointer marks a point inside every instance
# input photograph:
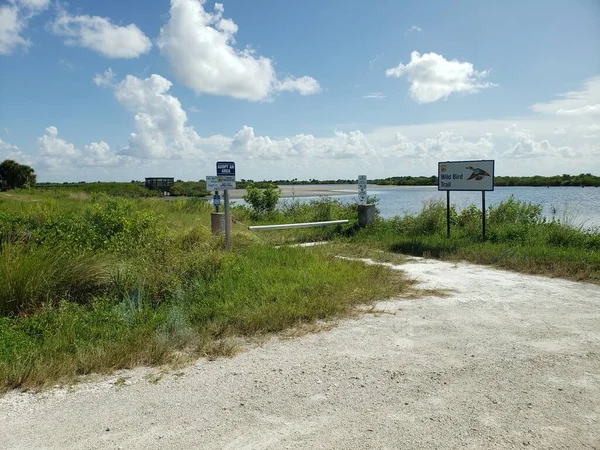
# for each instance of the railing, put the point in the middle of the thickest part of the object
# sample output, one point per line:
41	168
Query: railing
297	225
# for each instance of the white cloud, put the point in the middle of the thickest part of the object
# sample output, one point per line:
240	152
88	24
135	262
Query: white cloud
11	26
530	148
518	133
51	145
200	48
55	153
14	18
302	85
375	95
433	77
585	101
414	28
583	111
101	35
8	151
342	145
34	5
105	79
161	130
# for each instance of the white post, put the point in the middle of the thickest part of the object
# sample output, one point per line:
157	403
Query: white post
362	189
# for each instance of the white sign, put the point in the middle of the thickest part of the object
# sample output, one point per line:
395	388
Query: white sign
466	175
219	183
362	189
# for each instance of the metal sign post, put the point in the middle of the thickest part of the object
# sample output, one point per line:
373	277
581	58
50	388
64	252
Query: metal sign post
448	213
226	179
227	222
483	215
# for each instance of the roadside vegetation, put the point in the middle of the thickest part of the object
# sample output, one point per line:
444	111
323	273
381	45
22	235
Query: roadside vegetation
134	189
519	237
95	282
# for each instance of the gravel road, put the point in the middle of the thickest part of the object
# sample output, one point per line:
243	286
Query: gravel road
506	361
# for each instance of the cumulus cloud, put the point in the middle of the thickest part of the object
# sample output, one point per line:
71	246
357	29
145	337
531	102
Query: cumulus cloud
530	148
101	35
161	130
434	78
57	153
200	48
353	144
14	18
51	145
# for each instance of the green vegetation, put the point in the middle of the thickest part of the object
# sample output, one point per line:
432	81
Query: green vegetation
584	179
94	283
262	201
14	175
134	189
518	238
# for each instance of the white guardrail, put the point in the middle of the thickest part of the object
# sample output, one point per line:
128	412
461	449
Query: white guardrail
297	225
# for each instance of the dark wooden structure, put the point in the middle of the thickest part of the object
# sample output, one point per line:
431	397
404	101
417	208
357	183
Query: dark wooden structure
162	184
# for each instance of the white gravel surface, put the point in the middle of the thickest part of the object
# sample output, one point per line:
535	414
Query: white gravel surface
507	361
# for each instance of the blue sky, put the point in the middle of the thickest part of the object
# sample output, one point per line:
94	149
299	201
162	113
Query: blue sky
119	90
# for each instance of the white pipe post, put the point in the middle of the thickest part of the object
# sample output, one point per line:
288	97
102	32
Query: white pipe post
288	226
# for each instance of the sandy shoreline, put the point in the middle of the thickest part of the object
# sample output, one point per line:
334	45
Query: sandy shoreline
315	190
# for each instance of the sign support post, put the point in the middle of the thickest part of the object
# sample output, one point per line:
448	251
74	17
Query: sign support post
448	214
483	215
225	179
227	222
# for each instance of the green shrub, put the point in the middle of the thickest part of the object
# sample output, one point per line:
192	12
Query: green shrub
262	201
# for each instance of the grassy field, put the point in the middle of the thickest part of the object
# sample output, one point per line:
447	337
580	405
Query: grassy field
94	283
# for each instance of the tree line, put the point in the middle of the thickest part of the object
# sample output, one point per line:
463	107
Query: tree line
584	179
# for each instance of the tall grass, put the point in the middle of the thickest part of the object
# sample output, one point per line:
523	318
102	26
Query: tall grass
518	238
93	284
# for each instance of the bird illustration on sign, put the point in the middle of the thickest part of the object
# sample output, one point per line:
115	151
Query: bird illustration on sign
477	174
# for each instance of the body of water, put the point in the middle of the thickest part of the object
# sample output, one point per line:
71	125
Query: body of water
578	206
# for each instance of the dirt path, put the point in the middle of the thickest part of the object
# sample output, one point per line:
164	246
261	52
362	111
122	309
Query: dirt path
508	361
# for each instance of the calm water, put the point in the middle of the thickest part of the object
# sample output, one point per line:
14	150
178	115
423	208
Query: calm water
579	206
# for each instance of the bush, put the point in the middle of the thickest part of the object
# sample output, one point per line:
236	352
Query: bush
109	224
32	278
262	201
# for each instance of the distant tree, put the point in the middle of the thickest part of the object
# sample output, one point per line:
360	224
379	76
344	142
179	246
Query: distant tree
14	175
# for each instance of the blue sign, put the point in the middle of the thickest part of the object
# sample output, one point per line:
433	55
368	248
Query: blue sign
226	168
216	199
